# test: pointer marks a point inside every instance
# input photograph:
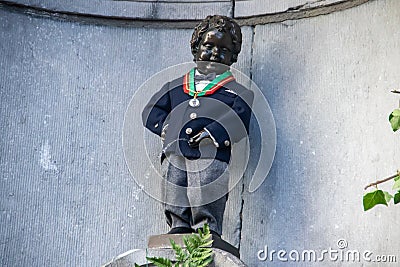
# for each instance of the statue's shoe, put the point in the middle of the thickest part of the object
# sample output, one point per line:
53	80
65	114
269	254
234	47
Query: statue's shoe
215	233
181	230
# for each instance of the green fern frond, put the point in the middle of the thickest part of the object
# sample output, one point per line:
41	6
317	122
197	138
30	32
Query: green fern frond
181	255
206	244
188	245
198	251
160	262
201	255
206	262
205	236
192	242
205	232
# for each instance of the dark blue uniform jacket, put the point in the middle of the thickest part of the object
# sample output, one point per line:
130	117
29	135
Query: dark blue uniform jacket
225	114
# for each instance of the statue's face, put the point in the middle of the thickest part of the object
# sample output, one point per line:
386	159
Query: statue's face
215	47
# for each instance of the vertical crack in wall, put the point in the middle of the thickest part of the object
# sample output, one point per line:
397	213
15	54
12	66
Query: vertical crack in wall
253	31
233	9
154	10
241	215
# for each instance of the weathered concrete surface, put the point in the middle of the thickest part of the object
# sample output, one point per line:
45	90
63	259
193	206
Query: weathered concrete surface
221	258
144	9
183	14
261	7
328	80
307	10
67	198
164	241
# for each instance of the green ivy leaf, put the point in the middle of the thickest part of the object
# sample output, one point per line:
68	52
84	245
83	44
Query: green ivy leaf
397	178
394	119
374	198
388	196
397	198
396	185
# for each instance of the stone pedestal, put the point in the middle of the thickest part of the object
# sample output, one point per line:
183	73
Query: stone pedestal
225	255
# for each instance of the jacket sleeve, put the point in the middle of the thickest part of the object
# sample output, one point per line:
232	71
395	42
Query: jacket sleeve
157	110
228	129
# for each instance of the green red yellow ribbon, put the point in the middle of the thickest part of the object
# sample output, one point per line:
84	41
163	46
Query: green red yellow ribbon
190	88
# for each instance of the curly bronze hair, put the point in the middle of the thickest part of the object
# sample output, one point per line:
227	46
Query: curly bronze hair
222	24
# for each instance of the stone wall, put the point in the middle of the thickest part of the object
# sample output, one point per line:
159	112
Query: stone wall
67	197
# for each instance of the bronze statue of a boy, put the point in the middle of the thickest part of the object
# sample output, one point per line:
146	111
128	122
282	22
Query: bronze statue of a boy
199	117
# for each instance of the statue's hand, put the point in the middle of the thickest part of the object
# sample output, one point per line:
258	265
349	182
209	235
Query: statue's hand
195	140
163	133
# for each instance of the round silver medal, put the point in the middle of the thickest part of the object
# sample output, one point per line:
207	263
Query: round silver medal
194	102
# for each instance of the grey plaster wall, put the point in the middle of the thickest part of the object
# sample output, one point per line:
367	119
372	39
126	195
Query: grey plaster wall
328	80
149	9
175	9
257	7
67	197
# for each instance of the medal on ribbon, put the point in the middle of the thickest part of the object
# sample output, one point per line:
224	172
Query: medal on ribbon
190	88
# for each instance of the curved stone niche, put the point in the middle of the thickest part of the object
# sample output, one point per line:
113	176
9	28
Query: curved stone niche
176	10
251	8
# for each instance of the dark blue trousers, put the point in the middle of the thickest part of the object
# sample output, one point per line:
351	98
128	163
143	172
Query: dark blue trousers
195	192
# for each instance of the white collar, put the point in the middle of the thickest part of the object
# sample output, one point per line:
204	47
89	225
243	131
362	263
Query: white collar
198	73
